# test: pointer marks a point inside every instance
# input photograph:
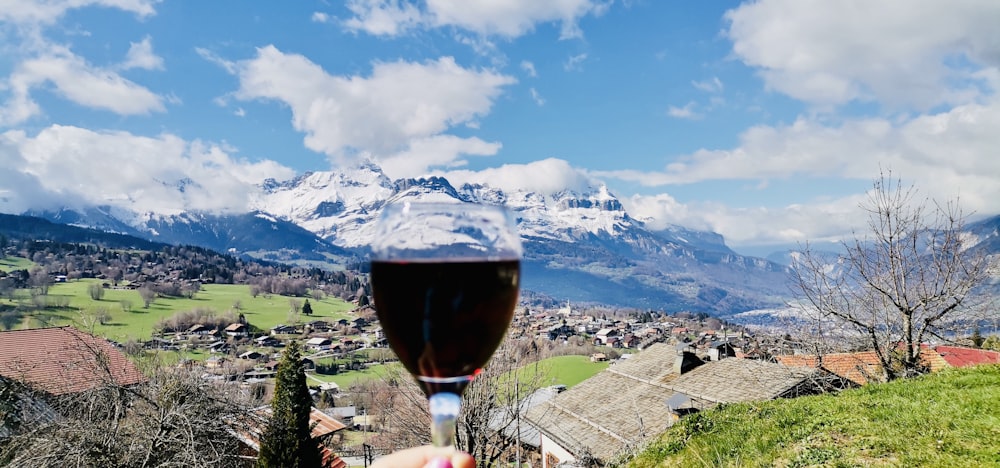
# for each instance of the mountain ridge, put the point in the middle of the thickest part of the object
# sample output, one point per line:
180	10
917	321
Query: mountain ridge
580	244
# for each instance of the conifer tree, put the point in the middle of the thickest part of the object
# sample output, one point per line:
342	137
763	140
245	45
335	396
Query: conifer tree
287	439
307	308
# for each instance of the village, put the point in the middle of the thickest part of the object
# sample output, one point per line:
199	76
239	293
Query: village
661	368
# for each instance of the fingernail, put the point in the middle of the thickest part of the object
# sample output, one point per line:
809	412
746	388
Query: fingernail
438	462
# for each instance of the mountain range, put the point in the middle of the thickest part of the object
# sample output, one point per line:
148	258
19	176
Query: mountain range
579	245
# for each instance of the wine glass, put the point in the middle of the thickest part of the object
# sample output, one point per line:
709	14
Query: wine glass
445	280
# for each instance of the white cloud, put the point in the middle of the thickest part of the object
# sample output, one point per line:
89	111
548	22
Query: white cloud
140	55
686	112
48	11
320	17
779	226
392	112
546	176
946	156
68	166
901	53
510	19
383	17
434	151
575	63
536	97
77	81
529	68
713	85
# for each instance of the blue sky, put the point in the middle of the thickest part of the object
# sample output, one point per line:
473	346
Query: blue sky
764	121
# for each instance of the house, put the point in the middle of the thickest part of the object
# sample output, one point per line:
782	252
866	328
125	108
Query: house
63	360
960	356
200	329
642	396
252	356
324	427
237	330
218	347
860	368
284	330
620	407
319	326
318	344
267	340
740	380
604	335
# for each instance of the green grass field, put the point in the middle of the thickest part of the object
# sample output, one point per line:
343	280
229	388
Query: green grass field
9	264
570	370
951	418
137	322
564	370
345	379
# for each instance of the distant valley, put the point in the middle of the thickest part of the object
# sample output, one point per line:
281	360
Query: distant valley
580	245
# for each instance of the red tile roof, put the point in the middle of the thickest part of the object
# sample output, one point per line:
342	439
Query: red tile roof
63	360
860	368
961	357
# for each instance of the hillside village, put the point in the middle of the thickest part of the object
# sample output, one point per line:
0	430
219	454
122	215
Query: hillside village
663	367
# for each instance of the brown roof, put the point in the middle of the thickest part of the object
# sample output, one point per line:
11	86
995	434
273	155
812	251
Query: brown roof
322	425
63	360
860	368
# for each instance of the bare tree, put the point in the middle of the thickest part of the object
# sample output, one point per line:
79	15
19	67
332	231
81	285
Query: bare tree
909	277
147	295
174	419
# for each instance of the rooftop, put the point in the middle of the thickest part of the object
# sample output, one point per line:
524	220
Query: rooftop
63	360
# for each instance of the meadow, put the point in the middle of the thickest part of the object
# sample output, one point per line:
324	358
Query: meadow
949	418
128	319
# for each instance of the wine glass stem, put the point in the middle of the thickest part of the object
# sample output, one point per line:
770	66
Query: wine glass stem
444	413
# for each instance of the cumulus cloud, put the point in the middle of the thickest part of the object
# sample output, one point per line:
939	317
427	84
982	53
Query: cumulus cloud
76	80
435	151
383	17
67	166
140	55
819	221
946	156
895	52
510	19
546	176
399	109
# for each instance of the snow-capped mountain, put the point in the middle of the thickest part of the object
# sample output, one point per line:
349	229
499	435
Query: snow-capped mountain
580	245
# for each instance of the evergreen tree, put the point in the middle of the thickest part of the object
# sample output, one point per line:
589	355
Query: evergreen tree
287	439
307	309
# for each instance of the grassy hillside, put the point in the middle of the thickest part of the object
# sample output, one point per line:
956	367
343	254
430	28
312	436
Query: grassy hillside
130	320
951	419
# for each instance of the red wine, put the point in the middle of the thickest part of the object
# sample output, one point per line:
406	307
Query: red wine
445	319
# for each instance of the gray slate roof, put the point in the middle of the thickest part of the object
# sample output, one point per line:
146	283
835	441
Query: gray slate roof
626	404
734	380
618	408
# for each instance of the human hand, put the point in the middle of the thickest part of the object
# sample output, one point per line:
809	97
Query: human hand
426	457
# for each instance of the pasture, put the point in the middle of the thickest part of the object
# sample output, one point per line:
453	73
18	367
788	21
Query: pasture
128	319
9	264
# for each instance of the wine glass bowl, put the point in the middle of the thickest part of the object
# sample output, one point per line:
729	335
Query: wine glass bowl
445	280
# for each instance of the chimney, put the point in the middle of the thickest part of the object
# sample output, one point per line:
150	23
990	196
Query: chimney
685	362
